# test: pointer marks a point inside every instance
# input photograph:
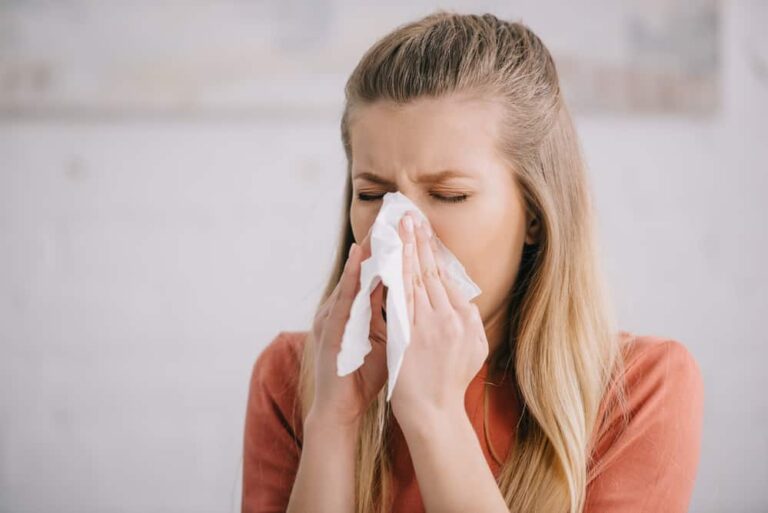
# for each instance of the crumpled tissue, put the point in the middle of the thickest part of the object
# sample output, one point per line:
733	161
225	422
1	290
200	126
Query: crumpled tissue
386	265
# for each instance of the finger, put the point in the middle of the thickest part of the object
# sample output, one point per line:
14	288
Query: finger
432	282
420	297
476	310
452	290
349	283
331	299
366	247
474	313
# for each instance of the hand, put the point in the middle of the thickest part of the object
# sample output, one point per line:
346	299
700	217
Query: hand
448	342
343	400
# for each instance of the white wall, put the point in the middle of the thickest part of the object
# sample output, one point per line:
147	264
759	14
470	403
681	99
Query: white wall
145	260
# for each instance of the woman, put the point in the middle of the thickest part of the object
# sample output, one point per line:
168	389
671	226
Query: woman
526	399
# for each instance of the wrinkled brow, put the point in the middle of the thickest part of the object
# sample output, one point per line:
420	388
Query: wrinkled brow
429	178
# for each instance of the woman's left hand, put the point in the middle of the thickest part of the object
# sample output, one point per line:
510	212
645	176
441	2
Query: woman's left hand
448	343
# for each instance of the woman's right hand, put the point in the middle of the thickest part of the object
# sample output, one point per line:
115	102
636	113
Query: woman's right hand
342	400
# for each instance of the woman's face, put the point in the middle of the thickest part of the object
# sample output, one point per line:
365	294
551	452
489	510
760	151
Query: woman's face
403	148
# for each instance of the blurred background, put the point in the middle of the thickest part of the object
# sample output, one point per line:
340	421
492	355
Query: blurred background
170	192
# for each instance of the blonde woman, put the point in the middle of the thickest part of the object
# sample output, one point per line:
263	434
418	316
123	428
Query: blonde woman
527	399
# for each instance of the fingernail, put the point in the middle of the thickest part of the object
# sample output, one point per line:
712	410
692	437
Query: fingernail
351	249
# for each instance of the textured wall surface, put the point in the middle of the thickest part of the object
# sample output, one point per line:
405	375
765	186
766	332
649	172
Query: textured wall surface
170	187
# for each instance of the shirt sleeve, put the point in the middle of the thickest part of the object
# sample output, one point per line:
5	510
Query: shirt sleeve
651	464
272	438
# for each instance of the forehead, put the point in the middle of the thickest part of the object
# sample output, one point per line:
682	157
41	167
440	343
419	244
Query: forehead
426	134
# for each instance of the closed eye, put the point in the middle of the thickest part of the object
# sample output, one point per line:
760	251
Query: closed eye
447	199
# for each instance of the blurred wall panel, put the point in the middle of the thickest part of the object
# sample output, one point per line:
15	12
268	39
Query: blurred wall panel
245	58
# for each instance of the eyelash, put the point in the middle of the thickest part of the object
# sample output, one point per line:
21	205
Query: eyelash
446	199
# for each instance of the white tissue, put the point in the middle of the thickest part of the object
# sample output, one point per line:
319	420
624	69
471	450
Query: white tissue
386	264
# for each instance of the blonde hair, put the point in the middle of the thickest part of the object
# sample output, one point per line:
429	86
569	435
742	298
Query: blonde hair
561	333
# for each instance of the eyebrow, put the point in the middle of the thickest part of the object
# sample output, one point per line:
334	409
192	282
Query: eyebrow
431	178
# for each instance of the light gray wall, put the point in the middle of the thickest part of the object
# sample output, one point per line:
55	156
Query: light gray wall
148	253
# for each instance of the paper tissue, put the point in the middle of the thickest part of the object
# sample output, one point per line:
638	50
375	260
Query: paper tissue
386	265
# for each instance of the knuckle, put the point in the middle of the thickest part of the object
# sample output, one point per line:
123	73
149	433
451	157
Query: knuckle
465	312
451	325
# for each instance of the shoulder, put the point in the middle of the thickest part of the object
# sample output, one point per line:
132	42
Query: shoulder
274	379
652	440
653	362
659	375
273	428
281	355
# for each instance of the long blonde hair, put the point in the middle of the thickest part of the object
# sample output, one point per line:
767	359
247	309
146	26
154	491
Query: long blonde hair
561	334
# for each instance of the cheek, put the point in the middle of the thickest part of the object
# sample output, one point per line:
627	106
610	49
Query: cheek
476	236
361	218
494	271
491	264
489	247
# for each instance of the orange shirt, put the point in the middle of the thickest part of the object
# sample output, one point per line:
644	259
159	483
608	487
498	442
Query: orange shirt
650	467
